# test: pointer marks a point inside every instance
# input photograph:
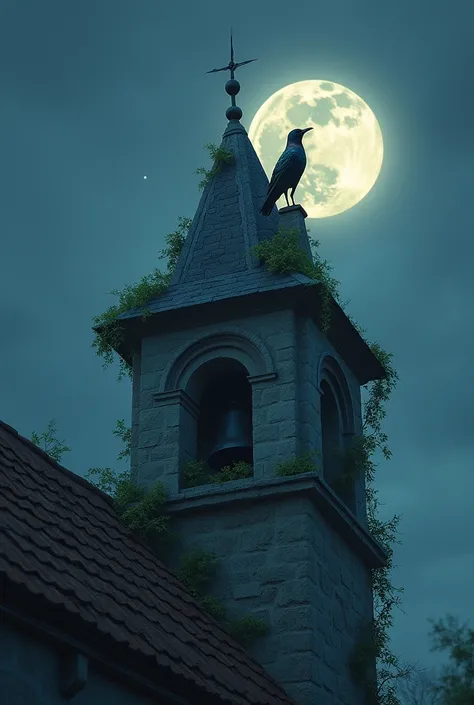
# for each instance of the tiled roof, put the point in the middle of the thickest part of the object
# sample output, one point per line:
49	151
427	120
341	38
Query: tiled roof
63	543
228	286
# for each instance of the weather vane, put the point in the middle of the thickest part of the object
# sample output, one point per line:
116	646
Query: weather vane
232	86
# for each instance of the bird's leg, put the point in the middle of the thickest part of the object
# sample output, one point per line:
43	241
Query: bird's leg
292	194
286	196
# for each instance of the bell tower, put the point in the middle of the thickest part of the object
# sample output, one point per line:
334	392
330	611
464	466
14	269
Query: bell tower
232	365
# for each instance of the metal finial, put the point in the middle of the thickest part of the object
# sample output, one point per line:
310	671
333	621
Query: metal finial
232	87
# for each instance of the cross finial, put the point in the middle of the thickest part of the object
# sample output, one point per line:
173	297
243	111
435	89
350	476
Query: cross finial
232	86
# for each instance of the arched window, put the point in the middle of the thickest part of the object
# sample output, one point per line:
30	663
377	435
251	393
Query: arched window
336	430
225	424
331	434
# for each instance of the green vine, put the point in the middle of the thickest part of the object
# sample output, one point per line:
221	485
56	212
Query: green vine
297	466
108	331
196	572
48	441
143	511
219	156
283	254
197	472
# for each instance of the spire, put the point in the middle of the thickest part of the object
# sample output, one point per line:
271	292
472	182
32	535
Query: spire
217	263
227	223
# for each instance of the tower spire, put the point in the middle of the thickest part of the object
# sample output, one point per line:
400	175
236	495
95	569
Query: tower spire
232	86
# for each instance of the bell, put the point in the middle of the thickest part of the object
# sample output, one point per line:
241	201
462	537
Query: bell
234	438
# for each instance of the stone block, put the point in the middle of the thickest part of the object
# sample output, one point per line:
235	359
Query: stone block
283	411
294	619
276	573
284	354
265	433
291	642
296	592
150	439
258	537
162	452
293	553
288	392
295	668
293	529
286	372
247	589
271	395
288	429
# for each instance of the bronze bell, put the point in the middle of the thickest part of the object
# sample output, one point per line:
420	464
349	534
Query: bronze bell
234	437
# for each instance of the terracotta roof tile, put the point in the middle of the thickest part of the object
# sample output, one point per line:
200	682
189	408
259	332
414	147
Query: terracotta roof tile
63	541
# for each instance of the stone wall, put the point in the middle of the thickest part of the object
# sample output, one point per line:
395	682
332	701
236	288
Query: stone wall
280	560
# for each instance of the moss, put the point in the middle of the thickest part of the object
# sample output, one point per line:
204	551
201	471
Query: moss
283	254
143	511
297	466
219	156
108	330
198	472
196	571
247	629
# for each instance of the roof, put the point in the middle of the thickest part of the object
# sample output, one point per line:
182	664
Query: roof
64	545
285	290
227	223
228	286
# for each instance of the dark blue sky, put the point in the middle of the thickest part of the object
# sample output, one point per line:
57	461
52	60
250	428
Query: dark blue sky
96	94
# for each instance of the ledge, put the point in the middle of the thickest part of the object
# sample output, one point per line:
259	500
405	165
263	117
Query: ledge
204	498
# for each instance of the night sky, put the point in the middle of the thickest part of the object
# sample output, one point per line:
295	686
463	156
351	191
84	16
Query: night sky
98	93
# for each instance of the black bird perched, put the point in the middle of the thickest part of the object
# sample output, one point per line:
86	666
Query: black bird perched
287	172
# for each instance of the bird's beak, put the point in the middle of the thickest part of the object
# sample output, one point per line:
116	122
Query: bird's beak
307	130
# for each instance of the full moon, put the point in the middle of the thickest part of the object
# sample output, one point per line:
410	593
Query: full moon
344	150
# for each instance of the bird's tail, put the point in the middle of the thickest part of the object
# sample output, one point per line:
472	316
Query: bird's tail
267	207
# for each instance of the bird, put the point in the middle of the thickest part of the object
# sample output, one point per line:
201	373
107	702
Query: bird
287	172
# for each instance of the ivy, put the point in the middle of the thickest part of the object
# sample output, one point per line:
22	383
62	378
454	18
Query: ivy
196	571
143	511
109	337
197	472
282	254
48	442
247	629
219	156
125	434
296	466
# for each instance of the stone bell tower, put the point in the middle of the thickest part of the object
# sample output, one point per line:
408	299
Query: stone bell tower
232	364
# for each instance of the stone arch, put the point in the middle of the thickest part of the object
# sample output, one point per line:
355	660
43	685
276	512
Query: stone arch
337	427
330	372
213	373
234	343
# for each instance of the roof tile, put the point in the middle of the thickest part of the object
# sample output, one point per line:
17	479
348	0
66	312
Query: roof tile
63	541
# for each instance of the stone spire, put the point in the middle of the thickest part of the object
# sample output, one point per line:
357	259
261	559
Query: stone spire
227	223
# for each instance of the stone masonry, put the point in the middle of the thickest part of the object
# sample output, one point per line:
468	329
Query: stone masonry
281	558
